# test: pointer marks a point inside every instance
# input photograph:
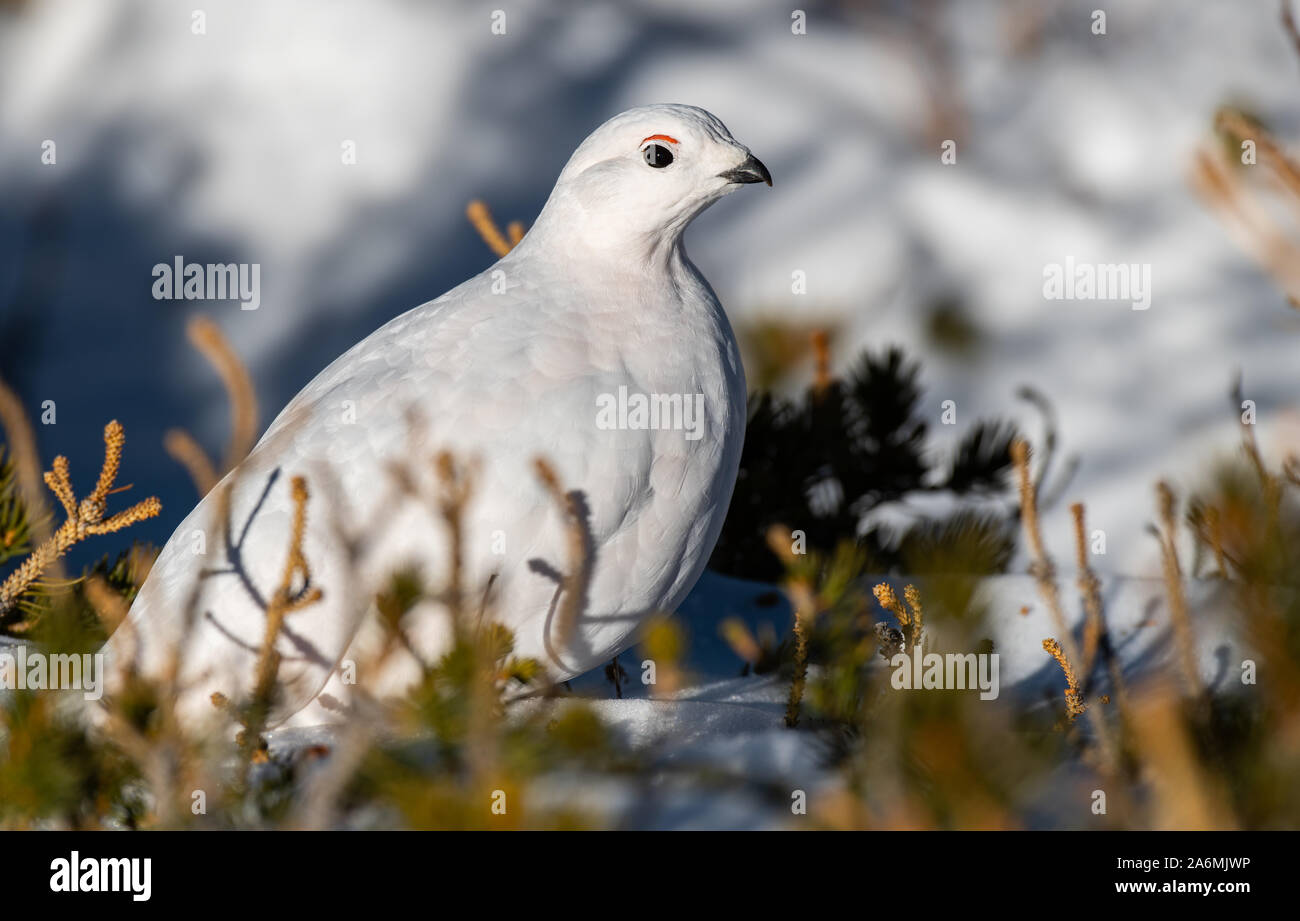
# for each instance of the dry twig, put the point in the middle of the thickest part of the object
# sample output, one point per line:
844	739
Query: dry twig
800	678
573	595
292	594
1044	575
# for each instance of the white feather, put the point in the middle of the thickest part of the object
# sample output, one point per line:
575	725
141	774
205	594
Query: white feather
503	369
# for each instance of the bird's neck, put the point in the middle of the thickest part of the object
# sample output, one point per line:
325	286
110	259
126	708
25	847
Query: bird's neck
606	244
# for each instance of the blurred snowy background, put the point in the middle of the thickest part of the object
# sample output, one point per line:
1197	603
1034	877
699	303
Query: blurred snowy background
226	147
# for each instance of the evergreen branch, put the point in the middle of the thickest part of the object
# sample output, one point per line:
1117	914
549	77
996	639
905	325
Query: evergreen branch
84	520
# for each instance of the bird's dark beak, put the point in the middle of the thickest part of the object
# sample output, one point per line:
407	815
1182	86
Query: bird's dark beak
752	170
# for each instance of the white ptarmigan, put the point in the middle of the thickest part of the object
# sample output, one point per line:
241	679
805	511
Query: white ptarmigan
596	310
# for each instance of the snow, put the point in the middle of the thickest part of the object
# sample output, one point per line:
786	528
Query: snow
227	146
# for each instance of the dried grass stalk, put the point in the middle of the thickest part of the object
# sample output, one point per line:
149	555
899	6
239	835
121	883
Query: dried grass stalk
207	337
481	217
27	462
1041	567
1184	797
1251	224
1089	589
1173	575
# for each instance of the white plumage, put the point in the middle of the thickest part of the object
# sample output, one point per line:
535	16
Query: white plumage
507	367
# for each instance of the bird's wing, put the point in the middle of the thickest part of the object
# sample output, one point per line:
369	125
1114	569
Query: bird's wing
499	376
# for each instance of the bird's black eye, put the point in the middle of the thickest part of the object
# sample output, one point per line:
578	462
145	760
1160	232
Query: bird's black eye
657	156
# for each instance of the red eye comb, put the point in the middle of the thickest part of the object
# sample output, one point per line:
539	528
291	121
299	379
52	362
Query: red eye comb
659	137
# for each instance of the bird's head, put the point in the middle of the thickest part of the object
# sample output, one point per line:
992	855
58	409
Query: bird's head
642	176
